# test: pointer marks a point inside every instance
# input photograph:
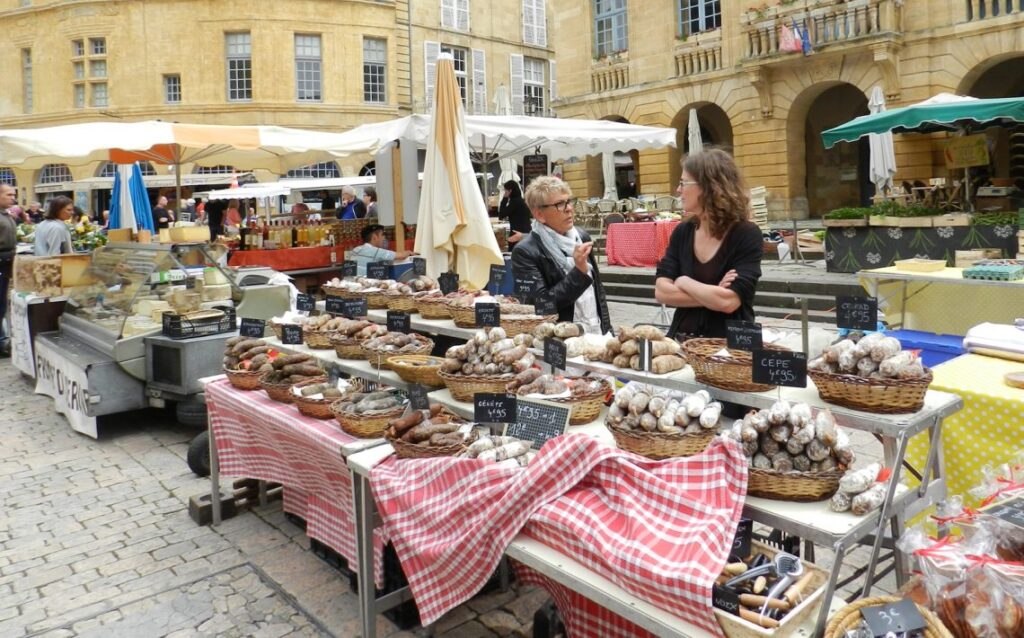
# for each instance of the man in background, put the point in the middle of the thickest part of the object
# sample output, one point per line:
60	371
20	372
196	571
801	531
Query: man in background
35	212
161	216
373	249
8	245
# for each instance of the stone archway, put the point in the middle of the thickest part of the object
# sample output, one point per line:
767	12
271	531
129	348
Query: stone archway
624	172
715	130
1000	77
823	179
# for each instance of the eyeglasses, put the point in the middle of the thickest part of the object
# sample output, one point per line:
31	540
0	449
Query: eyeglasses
684	183
563	206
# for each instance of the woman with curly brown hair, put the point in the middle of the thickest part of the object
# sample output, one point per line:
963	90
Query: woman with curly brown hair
713	261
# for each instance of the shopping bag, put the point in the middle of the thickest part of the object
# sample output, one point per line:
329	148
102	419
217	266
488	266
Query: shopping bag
788	42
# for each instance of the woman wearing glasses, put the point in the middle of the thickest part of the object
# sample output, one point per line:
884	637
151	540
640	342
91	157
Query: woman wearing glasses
713	261
558	255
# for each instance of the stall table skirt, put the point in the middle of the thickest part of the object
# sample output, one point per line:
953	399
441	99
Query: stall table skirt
263	439
640	244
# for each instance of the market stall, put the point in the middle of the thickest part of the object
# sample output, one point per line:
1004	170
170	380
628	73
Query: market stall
639	244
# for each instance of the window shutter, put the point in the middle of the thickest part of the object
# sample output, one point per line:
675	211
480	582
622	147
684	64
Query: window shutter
479	82
430	52
540	23
462	15
529	32
515	63
448	14
552	83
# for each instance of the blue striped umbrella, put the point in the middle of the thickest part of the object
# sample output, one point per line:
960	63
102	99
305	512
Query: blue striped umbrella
129	205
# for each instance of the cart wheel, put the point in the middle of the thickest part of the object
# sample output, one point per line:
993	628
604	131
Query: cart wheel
191	413
199	454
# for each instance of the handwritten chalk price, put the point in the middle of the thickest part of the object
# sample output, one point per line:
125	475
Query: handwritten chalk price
743	335
780	368
857	313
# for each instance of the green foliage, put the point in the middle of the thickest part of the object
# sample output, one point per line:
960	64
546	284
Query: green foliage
892	208
847	213
998	218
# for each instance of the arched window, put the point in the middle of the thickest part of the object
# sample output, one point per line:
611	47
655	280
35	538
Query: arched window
7	176
368	169
54	174
109	169
213	170
316	171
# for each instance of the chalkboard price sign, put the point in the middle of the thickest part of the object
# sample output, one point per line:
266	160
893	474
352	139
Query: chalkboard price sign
1011	511
354	308
378	270
538	421
349	268
490	407
857	313
335	305
291	334
448	282
534	166
418	399
554	353
545	305
899	618
725	599
304	302
398	321
743	335
190	283
419	266
253	328
497	276
526	286
780	368
488	315
741	542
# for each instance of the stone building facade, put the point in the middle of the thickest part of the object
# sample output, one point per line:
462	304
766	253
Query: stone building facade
651	62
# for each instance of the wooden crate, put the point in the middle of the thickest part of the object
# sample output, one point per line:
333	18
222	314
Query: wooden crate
839	223
951	219
901	222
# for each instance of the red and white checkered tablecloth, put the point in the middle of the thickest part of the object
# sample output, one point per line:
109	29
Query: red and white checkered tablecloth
640	244
661	530
264	439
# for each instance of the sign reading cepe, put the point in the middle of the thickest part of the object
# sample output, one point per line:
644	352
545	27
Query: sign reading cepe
970	150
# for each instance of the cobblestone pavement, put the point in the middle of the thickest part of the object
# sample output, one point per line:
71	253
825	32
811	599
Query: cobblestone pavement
95	540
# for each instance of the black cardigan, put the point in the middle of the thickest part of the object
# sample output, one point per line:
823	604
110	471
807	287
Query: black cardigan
743	251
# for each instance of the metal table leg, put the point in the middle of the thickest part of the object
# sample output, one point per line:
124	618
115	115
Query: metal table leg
262	492
885	514
364	550
214	475
830	588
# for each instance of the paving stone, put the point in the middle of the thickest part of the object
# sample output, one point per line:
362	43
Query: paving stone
471	629
527	603
493	600
500	622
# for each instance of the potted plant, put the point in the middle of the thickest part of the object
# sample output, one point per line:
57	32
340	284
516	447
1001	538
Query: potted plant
846	217
892	213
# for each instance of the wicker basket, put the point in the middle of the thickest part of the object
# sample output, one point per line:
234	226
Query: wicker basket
406	450
276	329
348	348
463	386
660	445
402	302
584	407
281	392
318	339
848	617
244	379
377	300
881	396
425	372
465	317
366	426
433	308
344	293
321	408
379	359
514	327
800	487
729	373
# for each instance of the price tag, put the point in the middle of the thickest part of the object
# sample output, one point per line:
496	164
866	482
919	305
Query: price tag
305	302
644	349
398	321
897	618
334	257
354	308
545	305
335	304
419	266
743	335
488	315
1011	511
190	283
253	328
349	268
741	542
291	334
554	352
448	282
780	368
526	286
489	407
538	421
497	276
378	270
725	599
857	313
418	399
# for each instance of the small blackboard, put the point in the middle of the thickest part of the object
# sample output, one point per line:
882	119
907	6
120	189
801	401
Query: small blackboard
780	368
497	276
378	270
534	166
857	313
448	282
253	328
419	266
349	268
488	315
489	407
305	302
899	618
398	321
291	334
334	305
1011	511
538	421
190	283
644	351
526	286
741	542
725	599
334	256
743	335
545	304
354	308
418	399
554	353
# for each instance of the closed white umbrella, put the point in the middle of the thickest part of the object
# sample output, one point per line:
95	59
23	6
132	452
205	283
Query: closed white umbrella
503	106
608	170
452	229
883	156
693	133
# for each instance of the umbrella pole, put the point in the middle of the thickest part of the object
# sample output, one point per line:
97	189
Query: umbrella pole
177	186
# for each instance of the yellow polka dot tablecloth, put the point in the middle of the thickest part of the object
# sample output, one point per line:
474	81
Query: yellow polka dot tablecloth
989	430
